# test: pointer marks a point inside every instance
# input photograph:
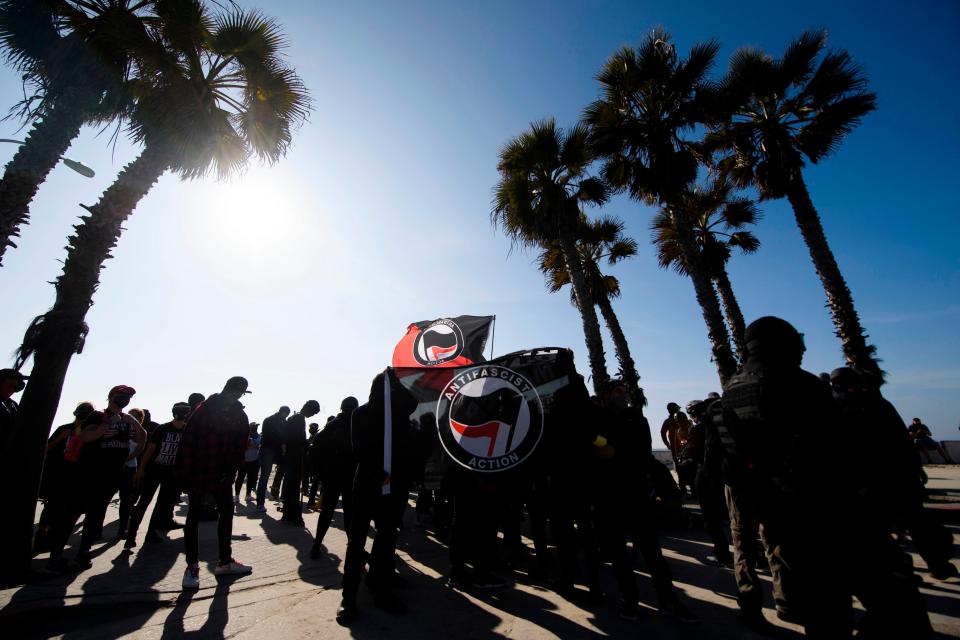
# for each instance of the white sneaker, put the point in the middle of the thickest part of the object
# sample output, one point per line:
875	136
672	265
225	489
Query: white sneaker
191	578
232	568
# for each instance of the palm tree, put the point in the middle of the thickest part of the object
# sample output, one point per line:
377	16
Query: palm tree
598	241
718	224
543	184
75	57
779	114
651	100
215	91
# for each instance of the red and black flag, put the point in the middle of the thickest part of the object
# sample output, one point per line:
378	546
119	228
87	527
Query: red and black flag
445	342
491	416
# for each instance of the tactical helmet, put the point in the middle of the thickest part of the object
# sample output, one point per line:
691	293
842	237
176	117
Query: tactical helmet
774	336
696	408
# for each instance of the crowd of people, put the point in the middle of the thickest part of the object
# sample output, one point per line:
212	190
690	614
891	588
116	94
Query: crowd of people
754	457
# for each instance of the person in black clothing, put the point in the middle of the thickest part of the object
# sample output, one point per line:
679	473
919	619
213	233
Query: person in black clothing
315	463
381	484
337	468
271	443
709	480
774	418
251	465
294	446
195	399
690	454
107	435
59	473
621	472
157	472
886	495
11	382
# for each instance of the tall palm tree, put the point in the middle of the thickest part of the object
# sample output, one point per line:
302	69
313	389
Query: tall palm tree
651	102
75	56
216	91
598	241
780	114
543	185
718	224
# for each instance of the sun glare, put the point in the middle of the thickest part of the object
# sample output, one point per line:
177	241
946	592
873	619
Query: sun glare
260	223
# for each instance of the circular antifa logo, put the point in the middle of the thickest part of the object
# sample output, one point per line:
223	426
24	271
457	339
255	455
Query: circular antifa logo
440	342
490	418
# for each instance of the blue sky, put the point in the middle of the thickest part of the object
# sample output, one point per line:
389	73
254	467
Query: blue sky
303	276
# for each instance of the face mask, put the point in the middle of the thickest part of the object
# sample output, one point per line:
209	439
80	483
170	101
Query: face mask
121	401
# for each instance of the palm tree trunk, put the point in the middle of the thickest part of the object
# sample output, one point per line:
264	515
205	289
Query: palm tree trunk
856	351
47	141
54	337
627	366
731	309
707	299
591	326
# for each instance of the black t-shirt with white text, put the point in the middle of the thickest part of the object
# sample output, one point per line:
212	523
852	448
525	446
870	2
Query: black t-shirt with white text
112	448
166	437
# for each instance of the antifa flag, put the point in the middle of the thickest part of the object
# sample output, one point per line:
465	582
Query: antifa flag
445	342
491	416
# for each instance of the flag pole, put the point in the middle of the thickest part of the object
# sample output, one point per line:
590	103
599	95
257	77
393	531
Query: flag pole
387	433
493	335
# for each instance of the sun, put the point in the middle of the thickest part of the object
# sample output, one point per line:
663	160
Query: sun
260	224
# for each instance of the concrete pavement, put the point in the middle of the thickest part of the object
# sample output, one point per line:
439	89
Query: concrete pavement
137	594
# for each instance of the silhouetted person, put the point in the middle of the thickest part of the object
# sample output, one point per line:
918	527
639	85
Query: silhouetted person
887	489
668	431
295	444
210	453
923	438
337	468
622	501
378	492
107	435
251	465
195	399
271	443
774	418
11	382
157	471
60	473
709	481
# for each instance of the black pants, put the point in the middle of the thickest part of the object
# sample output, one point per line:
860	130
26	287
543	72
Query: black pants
314	488
250	471
572	526
333	487
98	486
292	470
884	585
714	510
382	510
126	497
473	536
277	485
224	503
157	477
611	525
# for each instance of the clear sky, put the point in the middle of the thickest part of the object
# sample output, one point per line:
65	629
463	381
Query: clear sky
303	276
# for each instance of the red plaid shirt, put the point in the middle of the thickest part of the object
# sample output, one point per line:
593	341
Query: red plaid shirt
212	446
